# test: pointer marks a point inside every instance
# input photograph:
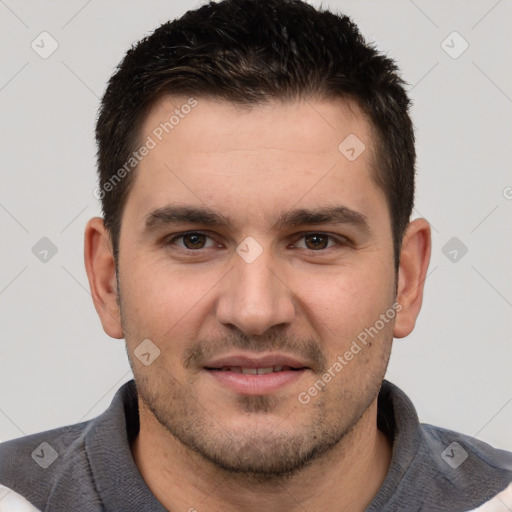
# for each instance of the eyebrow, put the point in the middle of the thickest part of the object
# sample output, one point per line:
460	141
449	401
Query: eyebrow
170	215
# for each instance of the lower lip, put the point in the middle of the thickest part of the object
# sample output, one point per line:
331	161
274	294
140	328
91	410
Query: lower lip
249	384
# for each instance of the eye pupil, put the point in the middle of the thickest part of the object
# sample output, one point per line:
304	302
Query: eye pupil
195	238
315	244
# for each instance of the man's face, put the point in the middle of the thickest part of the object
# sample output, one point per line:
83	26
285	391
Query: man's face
288	297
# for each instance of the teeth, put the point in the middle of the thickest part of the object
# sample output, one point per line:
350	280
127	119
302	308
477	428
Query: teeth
262	371
254	371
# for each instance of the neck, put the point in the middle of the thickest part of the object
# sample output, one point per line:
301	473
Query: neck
345	479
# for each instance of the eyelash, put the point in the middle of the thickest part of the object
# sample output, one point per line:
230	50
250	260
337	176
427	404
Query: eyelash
339	240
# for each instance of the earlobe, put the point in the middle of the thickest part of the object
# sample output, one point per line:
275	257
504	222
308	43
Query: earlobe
414	261
101	273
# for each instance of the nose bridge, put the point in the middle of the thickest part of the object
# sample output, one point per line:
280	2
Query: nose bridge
253	297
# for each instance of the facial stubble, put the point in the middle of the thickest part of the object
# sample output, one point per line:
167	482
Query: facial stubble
276	449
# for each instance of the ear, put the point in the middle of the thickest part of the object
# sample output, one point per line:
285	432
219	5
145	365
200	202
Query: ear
101	272
414	261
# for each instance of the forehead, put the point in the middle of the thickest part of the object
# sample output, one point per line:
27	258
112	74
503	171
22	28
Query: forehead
218	124
212	152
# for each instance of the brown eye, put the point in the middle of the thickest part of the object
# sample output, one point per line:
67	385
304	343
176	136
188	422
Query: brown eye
192	241
316	241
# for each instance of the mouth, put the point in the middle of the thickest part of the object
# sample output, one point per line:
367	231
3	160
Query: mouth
256	375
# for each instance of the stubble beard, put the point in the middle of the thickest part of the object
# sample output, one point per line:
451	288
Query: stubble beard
268	454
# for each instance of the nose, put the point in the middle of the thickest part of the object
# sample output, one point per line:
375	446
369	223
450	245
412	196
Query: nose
254	297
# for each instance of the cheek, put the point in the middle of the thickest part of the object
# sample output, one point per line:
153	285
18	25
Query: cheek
161	299
343	303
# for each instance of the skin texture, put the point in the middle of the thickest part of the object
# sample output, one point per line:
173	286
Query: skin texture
202	445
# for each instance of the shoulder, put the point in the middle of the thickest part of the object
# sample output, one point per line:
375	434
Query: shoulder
465	467
434	468
30	466
64	468
465	452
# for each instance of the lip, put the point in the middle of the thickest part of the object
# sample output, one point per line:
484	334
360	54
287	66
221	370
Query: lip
246	384
261	384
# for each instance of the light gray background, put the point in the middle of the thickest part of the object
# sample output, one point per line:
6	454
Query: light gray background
58	367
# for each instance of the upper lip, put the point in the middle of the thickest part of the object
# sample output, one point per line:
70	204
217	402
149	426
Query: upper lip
256	361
